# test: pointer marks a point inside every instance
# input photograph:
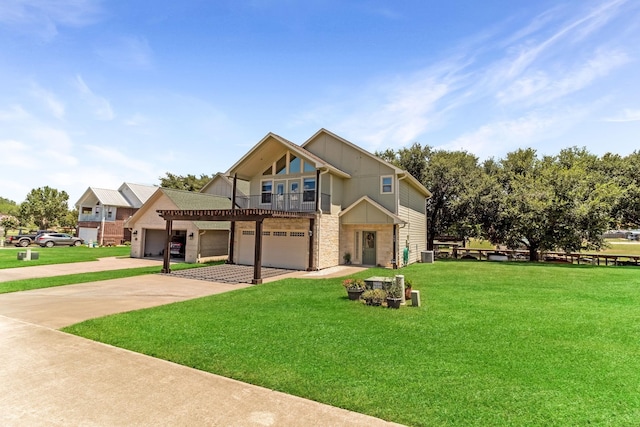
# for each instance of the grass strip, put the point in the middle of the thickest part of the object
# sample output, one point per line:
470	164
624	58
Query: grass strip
60	255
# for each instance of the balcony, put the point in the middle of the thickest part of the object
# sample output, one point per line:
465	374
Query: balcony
94	217
288	202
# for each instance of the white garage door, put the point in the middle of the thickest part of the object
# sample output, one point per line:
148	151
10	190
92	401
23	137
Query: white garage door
282	249
88	234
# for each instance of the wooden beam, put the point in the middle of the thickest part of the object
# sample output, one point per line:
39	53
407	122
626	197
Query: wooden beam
166	262
257	255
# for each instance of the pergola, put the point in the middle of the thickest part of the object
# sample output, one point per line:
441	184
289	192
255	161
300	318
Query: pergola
233	215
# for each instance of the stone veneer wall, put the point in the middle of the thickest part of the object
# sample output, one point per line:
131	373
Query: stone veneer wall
328	246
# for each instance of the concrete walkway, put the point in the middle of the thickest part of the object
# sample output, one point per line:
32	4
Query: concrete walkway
49	378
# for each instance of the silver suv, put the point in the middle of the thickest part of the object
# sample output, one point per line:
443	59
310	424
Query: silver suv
58	239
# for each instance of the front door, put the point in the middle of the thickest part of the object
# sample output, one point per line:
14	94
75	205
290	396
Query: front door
280	205
369	248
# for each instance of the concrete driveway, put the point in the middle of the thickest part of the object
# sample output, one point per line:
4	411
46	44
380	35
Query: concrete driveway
49	378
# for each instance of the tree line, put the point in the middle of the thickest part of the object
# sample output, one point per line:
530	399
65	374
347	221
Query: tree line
542	203
524	200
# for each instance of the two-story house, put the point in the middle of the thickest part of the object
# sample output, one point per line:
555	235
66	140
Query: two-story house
316	205
102	212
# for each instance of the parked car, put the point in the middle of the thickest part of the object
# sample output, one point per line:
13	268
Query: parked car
25	239
58	239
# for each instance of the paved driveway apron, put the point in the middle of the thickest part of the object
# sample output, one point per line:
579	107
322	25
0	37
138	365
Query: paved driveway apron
49	378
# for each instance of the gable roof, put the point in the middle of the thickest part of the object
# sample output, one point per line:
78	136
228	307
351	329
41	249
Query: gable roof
186	200
117	198
142	192
401	173
105	197
259	156
373	210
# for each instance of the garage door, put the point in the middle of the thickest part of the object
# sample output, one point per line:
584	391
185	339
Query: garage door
280	248
88	234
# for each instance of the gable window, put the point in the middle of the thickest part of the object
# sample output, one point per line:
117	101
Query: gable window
309	190
308	167
268	171
267	187
386	184
294	164
281	165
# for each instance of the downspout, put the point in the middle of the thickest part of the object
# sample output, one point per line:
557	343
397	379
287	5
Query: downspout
102	221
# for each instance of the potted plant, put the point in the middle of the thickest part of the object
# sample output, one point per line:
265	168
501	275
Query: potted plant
374	296
354	287
394	295
408	287
347	258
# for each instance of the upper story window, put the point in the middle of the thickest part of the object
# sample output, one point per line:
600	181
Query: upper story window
294	164
308	167
386	184
281	165
309	190
267	187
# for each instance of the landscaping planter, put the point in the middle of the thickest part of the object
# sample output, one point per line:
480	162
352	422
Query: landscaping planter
394	302
355	295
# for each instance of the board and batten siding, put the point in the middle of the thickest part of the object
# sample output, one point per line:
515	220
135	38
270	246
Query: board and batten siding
365	170
414	234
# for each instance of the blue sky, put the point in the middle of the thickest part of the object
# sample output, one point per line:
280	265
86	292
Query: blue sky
96	93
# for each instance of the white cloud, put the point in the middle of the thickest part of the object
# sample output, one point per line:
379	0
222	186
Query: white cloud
101	107
110	155
128	53
50	101
44	17
540	87
14	113
627	115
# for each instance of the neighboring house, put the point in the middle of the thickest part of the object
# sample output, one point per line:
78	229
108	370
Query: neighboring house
193	241
311	205
102	212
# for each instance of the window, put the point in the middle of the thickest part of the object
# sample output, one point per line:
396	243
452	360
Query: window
268	171
309	191
386	184
294	164
266	191
308	167
281	165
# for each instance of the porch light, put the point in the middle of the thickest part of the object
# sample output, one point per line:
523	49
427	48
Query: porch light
191	236
135	233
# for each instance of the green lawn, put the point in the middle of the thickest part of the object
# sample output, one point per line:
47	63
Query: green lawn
494	343
59	255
